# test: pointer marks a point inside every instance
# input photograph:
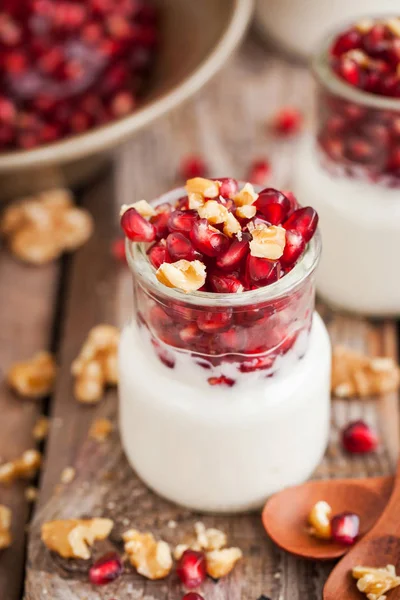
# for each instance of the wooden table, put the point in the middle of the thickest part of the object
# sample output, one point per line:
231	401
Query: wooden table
54	307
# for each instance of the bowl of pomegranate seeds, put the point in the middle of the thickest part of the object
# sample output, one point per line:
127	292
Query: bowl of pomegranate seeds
78	78
225	364
349	167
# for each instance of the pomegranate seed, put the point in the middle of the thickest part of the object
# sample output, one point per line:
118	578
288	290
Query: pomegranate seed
118	250
261	271
304	221
358	438
191	333
349	40
350	71
273	205
361	150
7	111
294	248
208	240
222	380
259	172
15	63
191	568
233	340
345	528
234	255
165	357
257	364
192	596
160	220
288	121
182	220
122	104
106	569
159	318
211	321
225	283
136	228
374	40
229	187
179	247
192	166
158	254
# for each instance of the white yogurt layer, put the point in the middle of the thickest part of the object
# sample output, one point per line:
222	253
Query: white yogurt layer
219	448
360	227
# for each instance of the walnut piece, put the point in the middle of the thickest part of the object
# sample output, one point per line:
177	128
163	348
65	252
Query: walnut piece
221	562
142	207
151	558
394	26
357	375
41	429
73	538
209	538
96	366
204	187
34	378
24	467
67	475
232	225
5	526
268	242
376	582
214	212
31	494
195	201
320	520
246	195
247	211
40	229
184	274
100	429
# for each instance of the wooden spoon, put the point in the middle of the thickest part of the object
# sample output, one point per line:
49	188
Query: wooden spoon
285	514
380	547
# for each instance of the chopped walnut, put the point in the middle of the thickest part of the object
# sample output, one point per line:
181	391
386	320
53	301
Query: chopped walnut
5	527
67	475
376	582
34	378
247	195
184	274
358	56
73	538
24	467
181	548
214	212
142	207
100	429
150	558
221	562
195	201
268	242
31	494
320	520
394	26
232	225
364	25
354	374
209	539
205	187
41	429
41	228
247	211
96	366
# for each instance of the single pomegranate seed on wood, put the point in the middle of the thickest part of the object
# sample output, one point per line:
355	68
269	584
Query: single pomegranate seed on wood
273	205
158	254
222	380
287	121
136	228
304	221
212	321
259	172
229	187
345	528
192	166
235	254
179	247
207	239
261	271
294	248
182	220
358	438
191	568
225	283
106	569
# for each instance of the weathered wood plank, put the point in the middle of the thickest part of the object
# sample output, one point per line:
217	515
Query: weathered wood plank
226	124
27	301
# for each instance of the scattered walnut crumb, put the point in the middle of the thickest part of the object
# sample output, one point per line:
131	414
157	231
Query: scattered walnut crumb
41	429
172	524
31	494
96	366
100	429
142	207
320	520
73	538
24	467
5	526
209	539
207	188
41	228
184	274
246	195
268	242
221	562
34	378
67	475
376	582
357	375
151	558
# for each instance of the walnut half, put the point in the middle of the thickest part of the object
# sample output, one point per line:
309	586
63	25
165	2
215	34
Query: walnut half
24	467
34	378
73	538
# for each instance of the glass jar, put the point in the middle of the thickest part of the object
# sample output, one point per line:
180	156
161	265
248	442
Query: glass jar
224	397
349	170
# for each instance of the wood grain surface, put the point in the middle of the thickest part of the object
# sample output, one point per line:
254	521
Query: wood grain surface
226	124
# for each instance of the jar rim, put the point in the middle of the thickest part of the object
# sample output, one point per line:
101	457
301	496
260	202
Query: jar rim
325	75
143	270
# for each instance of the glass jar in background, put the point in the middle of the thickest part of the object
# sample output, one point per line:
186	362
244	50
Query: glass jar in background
349	170
224	397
